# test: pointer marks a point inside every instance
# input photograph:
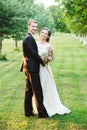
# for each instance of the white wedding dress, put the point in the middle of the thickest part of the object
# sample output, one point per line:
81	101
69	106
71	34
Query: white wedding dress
52	101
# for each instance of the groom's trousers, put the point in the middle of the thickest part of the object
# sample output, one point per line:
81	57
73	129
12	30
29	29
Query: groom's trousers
33	86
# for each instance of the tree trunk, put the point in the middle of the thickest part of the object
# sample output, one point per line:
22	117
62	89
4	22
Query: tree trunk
0	45
16	44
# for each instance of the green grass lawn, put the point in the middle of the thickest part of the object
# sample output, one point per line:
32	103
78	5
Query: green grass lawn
70	72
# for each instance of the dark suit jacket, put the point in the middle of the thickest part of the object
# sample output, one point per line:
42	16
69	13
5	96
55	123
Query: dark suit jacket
30	51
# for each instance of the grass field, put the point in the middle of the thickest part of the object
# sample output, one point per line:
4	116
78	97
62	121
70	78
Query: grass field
70	72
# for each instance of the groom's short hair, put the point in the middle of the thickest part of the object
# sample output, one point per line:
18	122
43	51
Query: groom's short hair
32	21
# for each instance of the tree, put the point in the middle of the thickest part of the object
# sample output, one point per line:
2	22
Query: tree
43	16
75	13
6	20
20	20
14	15
57	14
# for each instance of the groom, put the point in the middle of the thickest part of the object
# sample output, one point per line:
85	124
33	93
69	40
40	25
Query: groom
30	65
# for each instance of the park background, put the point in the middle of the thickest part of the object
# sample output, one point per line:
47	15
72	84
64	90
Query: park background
68	23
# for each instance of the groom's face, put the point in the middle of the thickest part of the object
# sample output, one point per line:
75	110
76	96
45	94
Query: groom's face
32	27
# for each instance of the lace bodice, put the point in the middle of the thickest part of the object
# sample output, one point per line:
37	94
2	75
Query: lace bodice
43	48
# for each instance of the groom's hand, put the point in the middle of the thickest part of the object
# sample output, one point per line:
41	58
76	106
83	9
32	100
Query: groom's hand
43	63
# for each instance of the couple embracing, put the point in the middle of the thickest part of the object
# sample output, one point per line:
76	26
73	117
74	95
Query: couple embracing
40	84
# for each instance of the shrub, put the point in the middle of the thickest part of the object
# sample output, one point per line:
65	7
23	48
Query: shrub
3	57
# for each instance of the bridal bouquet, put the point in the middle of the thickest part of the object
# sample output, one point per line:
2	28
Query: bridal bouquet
47	56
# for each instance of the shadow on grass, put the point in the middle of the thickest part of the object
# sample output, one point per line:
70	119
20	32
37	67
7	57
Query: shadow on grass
76	120
78	117
3	124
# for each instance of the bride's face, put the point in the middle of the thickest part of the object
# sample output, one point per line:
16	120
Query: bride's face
44	34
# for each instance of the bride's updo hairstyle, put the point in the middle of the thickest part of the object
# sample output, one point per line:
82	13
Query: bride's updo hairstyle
49	33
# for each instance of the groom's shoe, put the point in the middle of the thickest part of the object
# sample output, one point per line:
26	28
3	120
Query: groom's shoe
31	114
43	116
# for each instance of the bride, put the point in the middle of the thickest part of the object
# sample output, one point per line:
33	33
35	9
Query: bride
52	101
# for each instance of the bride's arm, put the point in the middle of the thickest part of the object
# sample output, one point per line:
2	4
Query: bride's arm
49	57
50	54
